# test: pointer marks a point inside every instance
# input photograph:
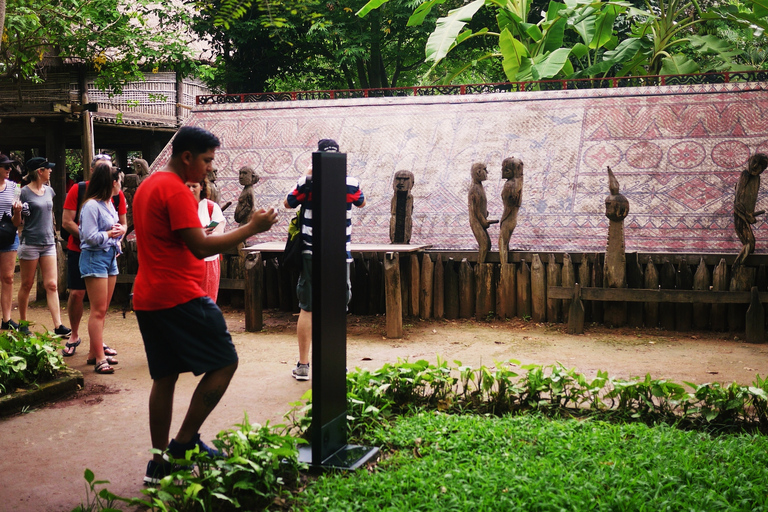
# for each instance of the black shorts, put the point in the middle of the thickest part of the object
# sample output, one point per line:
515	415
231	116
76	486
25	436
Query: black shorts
74	279
191	337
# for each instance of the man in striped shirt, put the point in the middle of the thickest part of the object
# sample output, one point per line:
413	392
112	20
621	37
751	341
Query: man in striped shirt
302	196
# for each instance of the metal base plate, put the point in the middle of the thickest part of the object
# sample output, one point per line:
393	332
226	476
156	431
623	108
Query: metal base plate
349	457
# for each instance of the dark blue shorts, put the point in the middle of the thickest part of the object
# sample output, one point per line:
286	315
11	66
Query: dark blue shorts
191	337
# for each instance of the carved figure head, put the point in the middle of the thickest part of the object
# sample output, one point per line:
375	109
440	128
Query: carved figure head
616	205
511	168
403	181
247	176
213	174
479	172
757	164
140	167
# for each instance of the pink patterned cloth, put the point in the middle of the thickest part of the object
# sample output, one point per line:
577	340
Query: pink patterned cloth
210	282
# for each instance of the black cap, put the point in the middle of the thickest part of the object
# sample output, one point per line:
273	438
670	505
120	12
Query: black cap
36	163
328	145
4	160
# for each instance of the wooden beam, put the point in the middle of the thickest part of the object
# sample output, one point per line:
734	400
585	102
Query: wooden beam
660	295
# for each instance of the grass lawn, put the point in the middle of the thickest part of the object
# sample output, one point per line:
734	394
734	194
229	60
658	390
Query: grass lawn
531	463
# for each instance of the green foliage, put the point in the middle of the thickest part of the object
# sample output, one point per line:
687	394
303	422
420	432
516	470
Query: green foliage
28	360
117	40
441	462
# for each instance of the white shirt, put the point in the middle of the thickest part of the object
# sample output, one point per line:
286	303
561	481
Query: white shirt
205	219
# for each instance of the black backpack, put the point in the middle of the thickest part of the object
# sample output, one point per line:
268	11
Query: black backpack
81	186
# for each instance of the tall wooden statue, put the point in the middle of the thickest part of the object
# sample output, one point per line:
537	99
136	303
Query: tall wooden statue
401	209
214	194
614	272
478	211
247	200
512	197
744	214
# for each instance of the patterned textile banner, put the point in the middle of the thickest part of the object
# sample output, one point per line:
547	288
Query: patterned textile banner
677	152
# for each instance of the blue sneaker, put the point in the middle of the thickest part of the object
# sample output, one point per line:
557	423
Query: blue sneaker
179	451
156	472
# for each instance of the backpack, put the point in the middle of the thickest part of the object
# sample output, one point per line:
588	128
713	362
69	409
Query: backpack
81	187
294	245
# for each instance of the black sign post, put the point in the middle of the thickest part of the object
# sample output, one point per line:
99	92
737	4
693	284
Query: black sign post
328	443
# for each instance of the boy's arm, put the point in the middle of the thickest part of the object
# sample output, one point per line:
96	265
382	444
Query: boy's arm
203	246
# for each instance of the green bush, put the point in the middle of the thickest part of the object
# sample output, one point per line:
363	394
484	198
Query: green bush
27	361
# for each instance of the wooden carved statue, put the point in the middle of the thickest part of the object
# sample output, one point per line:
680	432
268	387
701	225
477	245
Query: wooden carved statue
401	210
478	211
744	214
137	172
214	194
512	198
616	209
247	200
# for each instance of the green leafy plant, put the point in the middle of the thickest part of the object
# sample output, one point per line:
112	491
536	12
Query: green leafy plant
28	360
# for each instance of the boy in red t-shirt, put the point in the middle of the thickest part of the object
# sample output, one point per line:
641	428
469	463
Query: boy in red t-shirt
182	328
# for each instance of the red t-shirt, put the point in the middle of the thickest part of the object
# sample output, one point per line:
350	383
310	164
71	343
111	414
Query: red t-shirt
169	274
70	203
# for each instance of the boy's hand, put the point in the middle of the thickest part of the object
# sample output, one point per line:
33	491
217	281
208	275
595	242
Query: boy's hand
261	220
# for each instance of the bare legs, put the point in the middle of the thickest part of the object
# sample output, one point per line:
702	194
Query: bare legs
49	271
304	332
7	266
209	391
75	309
100	291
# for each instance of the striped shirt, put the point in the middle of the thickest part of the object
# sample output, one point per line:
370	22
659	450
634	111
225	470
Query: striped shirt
302	196
6	198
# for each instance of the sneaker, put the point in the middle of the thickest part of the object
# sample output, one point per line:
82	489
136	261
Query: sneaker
24	329
10	324
301	372
179	451
157	471
62	331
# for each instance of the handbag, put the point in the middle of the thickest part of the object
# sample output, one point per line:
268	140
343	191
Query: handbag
7	231
294	245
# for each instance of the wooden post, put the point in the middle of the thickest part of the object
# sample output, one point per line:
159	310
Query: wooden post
667	280
568	279
508	291
451	296
576	312
254	281
438	290
651	282
762	284
634	280
485	294
425	291
742	279
719	284
585	280
361	287
405	288
684	311
597	282
701	311
376	273
524	290
272	284
466	290
538	290
553	279
392	295
415	285
755	321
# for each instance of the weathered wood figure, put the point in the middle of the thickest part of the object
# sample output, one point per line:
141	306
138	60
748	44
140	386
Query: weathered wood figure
744	214
401	210
512	198
214	194
136	173
615	269
247	200
478	211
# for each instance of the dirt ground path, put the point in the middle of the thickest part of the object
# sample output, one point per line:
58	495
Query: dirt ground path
104	428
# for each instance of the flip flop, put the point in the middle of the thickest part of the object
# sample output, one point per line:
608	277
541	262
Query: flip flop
69	345
109	360
109	351
104	368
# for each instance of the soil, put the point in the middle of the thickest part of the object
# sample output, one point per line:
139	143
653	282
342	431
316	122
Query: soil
104	427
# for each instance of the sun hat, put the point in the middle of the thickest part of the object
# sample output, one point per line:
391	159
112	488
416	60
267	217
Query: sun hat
4	160
39	162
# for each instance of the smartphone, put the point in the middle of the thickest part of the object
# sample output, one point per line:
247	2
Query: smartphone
212	225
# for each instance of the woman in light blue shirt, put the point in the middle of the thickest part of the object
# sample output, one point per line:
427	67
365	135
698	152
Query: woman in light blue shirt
100	235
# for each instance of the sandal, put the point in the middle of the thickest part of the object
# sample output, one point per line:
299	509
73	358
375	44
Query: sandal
109	351
108	360
68	345
103	368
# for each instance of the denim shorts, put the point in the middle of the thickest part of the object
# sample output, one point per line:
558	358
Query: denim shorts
304	285
34	252
98	263
13	247
191	337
